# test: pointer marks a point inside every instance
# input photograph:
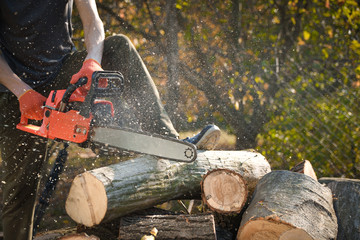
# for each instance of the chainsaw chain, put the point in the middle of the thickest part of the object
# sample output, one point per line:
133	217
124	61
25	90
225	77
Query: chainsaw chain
106	150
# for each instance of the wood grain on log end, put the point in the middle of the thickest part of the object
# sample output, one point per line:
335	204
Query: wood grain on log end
271	229
306	168
81	236
87	201
224	191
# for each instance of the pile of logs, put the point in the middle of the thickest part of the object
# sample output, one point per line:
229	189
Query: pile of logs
271	204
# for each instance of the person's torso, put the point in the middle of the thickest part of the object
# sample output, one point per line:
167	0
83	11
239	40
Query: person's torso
35	35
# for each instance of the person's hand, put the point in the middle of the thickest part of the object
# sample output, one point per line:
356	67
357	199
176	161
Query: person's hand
88	68
31	105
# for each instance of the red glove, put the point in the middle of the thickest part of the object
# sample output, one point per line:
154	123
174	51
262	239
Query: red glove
88	68
31	105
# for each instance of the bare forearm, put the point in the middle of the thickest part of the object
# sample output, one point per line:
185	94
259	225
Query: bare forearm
93	29
10	80
94	41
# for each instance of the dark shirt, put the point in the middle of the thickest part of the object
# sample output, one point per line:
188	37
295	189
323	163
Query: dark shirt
35	36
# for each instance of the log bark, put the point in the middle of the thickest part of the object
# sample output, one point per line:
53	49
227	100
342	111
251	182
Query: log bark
224	191
116	190
288	205
54	234
64	234
182	226
346	194
306	168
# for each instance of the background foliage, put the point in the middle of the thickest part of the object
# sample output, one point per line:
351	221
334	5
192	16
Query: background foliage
283	76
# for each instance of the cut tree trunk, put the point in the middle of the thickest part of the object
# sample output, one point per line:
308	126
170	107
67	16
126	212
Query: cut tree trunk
182	226
346	193
306	168
289	206
116	190
224	191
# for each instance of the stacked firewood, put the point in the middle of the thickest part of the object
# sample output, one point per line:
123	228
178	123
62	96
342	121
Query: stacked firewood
271	204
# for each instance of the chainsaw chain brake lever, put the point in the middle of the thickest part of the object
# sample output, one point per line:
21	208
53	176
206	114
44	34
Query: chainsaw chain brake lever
69	91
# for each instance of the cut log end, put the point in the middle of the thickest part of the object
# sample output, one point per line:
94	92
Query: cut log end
79	237
87	201
224	191
271	230
306	168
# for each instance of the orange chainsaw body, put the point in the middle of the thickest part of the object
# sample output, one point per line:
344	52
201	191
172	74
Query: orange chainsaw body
62	122
70	126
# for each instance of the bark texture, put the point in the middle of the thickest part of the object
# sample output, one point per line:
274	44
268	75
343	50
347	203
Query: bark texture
65	234
168	227
288	205
346	194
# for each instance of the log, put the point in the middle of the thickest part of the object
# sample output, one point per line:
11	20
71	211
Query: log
54	234
116	190
184	226
64	234
288	205
346	195
224	191
81	236
48	236
306	168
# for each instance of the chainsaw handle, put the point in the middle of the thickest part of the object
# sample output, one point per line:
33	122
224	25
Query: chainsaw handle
114	88
69	91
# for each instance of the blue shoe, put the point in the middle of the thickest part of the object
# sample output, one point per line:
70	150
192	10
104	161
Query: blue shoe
207	139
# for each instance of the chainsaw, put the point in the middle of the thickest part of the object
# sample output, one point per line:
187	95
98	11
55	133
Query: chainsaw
91	121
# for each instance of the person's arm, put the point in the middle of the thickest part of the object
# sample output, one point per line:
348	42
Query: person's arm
10	80
93	29
94	40
30	101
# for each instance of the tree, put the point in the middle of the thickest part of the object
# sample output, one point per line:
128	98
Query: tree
289	64
316	113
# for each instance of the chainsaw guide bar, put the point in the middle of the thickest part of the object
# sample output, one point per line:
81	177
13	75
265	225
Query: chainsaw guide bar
145	143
